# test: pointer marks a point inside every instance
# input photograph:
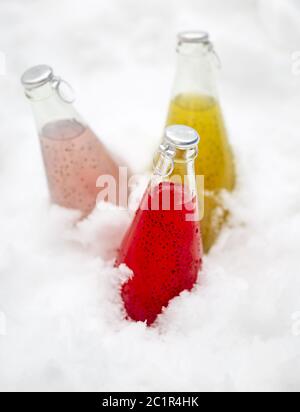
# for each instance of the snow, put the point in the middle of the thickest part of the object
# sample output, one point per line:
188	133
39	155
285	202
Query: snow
61	320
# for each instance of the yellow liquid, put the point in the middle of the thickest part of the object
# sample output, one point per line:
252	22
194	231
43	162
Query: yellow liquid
215	160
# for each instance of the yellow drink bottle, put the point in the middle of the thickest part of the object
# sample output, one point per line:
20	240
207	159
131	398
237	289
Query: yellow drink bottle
195	104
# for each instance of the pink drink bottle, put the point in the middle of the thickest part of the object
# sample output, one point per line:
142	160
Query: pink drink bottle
74	157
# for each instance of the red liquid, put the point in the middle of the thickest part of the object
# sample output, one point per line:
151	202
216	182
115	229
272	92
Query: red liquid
164	251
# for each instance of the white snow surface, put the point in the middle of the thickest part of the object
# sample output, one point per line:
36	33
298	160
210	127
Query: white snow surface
61	320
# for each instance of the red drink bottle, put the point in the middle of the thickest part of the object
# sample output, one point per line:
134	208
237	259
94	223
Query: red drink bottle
163	246
74	157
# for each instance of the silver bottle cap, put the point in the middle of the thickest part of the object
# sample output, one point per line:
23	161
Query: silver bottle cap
176	137
37	76
194	37
182	137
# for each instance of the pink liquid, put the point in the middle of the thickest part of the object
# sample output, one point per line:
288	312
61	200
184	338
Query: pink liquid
74	159
164	250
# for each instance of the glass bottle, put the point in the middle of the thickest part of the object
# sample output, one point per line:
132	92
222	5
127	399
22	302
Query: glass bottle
74	157
163	246
195	104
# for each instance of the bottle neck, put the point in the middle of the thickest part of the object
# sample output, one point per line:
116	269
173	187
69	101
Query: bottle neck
195	70
178	170
177	166
49	106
